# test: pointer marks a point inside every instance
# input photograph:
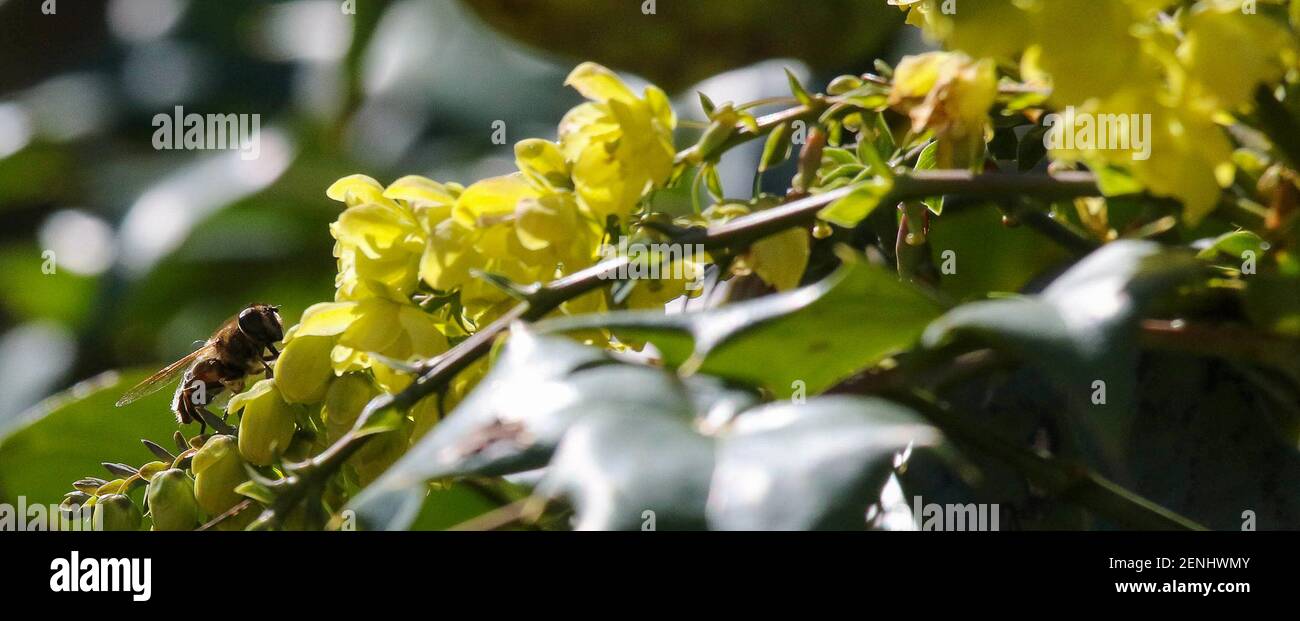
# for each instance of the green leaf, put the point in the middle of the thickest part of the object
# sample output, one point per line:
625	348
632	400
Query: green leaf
884	139
777	148
854	208
631	447
629	471
817	335
713	183
1233	245
798	89
256	491
1115	181
516	416
450	505
674	200
981	268
67	436
706	104
783	466
929	160
820	464
1080	331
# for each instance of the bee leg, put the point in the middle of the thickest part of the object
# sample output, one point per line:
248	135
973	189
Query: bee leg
266	360
206	417
183	404
195	416
190	413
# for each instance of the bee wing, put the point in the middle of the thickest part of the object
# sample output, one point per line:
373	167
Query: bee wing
158	380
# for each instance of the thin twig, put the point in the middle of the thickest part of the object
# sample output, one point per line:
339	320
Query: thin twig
517	511
239	507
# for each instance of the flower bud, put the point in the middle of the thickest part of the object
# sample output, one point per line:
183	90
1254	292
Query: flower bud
112	487
843	84
304	369
344	400
116	512
267	425
218	470
720	129
171	501
148	470
379	453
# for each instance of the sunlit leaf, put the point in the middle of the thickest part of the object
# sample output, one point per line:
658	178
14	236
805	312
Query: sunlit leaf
810	337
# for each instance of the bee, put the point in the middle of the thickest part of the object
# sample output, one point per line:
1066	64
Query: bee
237	349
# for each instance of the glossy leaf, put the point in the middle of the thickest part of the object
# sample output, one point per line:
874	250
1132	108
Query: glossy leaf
516	417
631	471
811	466
65	437
1081	333
810	337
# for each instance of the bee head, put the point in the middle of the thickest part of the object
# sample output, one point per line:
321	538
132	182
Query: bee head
261	322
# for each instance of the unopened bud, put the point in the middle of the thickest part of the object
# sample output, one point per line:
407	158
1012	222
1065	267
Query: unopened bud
218	470
171	501
267	425
116	512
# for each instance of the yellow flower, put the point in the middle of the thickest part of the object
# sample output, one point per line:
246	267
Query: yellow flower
1260	52
951	94
618	144
384	233
527	232
1116	57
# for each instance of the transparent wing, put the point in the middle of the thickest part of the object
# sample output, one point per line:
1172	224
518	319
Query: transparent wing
158	380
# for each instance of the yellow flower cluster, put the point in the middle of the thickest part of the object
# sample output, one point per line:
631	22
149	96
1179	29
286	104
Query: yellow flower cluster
1102	58
413	256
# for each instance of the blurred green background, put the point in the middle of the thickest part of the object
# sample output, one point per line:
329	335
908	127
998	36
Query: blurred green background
153	249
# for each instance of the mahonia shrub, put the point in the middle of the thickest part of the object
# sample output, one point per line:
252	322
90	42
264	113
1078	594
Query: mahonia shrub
431	275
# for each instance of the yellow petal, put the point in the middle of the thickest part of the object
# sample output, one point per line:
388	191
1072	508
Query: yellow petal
780	260
357	189
598	83
376	329
420	192
304	370
327	319
490	199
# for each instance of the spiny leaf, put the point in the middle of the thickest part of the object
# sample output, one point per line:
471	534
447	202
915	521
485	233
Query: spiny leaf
810	337
1080	333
